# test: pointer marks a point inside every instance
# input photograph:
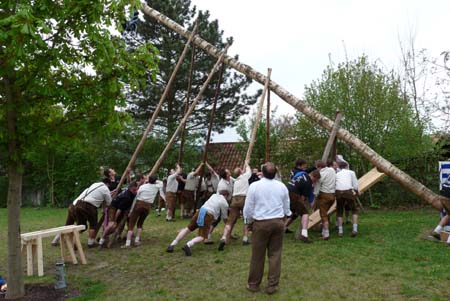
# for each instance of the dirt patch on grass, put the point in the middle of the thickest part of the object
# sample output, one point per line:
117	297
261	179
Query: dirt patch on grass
38	292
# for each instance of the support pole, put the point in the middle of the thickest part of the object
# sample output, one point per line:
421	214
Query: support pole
258	117
186	107
191	108
332	138
157	109
267	155
381	163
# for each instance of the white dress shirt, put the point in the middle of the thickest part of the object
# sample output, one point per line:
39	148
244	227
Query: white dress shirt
346	180
172	183
266	199
226	185
191	182
217	206
240	186
148	192
95	195
327	181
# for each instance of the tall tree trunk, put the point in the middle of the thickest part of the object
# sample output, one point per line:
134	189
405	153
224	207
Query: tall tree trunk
16	287
382	164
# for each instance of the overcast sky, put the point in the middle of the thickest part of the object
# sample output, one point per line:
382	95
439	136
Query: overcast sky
296	38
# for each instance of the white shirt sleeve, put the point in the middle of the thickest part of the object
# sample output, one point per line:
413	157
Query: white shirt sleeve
249	206
107	196
224	209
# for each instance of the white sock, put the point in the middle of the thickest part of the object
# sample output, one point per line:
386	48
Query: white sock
245	238
340	230
209	236
190	244
137	239
438	229
174	243
128	242
304	232
355	227
91	241
223	238
101	241
325	233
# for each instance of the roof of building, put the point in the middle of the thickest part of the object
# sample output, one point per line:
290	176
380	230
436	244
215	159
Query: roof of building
227	154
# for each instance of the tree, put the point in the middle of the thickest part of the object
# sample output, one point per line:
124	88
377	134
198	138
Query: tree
374	110
62	74
233	101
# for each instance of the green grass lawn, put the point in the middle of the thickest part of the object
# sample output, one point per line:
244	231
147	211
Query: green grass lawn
387	261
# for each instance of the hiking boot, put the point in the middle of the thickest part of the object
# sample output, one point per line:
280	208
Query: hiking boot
92	246
271	290
340	235
245	242
436	235
234	236
221	245
325	238
101	246
187	250
169	249
354	233
208	242
305	239
137	243
125	247
253	289
287	231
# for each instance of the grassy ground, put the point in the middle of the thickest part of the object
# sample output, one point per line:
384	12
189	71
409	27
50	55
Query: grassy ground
387	261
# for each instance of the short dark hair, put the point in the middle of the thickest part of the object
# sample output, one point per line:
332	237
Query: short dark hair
320	164
300	162
106	172
330	163
315	173
223	173
152	179
106	181
269	170
132	184
342	165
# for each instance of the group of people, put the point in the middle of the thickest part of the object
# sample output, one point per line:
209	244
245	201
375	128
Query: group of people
267	205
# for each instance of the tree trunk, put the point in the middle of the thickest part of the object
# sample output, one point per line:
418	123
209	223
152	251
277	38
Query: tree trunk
382	164
16	287
332	138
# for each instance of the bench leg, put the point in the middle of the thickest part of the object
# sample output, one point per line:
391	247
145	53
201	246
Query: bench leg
40	257
29	258
62	247
69	244
76	236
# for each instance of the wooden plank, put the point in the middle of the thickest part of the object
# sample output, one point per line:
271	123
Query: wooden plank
76	236
332	137
69	244
364	183
30	259
40	259
62	247
51	232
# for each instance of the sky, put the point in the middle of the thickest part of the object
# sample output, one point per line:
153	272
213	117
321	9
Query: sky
298	38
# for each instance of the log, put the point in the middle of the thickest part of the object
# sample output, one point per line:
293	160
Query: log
157	109
332	137
191	108
267	150
381	163
258	117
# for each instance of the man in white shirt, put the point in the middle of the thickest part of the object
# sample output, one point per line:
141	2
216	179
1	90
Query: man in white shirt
140	209
324	193
215	207
171	192
266	207
187	197
240	189
346	193
88	202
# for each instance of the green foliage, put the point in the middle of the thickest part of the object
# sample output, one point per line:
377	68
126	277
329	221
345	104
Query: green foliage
232	103
373	109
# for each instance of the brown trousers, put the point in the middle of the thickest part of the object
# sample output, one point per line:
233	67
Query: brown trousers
267	235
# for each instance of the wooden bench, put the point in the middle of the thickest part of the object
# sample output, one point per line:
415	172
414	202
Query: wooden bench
32	244
364	183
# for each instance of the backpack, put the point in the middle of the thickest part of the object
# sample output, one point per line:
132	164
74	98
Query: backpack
445	191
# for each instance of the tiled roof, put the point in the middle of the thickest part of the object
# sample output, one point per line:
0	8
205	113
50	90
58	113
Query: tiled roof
227	154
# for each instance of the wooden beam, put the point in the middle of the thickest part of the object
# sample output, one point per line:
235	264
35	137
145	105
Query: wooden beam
258	117
191	108
267	150
332	137
381	163
157	109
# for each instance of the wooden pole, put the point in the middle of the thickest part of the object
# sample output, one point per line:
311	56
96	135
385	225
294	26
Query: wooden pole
158	108
267	155
213	113
258	117
381	163
191	108
326	152
186	106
